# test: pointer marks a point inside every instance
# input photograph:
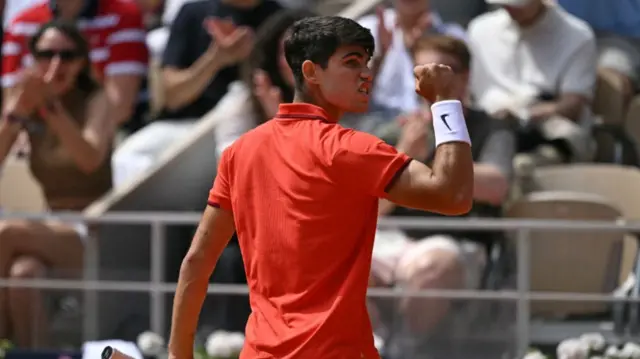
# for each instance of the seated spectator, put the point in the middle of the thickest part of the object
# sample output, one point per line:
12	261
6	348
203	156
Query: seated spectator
432	259
115	32
534	61
395	30
207	41
617	28
157	39
267	81
70	131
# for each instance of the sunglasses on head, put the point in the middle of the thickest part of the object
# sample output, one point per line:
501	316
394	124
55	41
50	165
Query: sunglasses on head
64	55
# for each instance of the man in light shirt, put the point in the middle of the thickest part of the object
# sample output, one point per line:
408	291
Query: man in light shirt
535	62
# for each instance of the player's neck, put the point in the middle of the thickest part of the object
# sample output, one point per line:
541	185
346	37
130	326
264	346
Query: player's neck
303	97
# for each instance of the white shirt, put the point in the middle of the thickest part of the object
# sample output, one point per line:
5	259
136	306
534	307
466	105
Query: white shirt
395	84
237	116
511	66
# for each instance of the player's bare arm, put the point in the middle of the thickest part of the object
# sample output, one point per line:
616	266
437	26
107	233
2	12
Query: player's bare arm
213	234
447	187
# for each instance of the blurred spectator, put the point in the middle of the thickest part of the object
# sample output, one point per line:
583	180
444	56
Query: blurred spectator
157	38
208	39
534	61
428	259
115	33
617	27
63	111
266	81
395	31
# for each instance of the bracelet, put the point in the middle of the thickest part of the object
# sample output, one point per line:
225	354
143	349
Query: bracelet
449	124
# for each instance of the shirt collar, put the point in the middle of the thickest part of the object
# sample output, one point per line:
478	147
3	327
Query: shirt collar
303	111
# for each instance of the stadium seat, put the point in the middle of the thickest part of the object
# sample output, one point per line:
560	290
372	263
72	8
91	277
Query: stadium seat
632	121
556	265
609	102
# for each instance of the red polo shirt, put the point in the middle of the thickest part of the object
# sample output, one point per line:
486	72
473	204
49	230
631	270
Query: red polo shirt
304	194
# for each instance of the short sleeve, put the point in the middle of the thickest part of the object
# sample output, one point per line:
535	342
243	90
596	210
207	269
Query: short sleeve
13	51
220	193
180	35
128	53
579	76
364	163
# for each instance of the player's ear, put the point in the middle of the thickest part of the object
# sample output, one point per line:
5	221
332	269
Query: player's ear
309	72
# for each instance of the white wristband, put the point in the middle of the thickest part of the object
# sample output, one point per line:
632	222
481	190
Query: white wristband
448	122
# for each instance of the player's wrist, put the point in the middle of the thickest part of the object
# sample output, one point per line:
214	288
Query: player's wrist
449	124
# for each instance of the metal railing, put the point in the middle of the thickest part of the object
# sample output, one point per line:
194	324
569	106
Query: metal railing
157	287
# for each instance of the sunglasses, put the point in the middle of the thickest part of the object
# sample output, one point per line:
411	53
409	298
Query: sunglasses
64	55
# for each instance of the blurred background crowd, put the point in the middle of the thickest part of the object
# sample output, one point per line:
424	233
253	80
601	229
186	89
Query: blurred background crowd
97	94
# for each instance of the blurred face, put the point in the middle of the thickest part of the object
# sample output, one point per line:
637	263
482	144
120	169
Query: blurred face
58	56
526	13
461	78
283	66
411	7
346	81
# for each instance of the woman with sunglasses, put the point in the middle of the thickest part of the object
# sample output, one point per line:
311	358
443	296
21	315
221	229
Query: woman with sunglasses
63	113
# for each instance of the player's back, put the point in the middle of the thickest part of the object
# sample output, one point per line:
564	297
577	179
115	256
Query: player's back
306	226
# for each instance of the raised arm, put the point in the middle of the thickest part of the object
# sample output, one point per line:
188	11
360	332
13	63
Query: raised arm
447	187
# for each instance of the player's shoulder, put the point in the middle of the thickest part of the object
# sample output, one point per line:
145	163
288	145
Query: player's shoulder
341	140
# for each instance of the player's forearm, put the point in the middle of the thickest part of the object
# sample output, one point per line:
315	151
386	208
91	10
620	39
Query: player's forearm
182	87
190	295
452	175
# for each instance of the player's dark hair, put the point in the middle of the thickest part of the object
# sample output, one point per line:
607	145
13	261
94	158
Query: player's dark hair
317	38
265	55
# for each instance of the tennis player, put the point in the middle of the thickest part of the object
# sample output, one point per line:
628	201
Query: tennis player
302	193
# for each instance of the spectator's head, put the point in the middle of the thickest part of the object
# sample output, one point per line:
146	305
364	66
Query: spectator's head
59	47
448	51
411	7
523	12
329	56
268	55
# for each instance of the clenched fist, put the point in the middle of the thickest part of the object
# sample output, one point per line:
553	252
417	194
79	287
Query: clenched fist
434	82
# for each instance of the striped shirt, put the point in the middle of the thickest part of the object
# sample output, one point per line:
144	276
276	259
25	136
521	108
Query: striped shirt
116	38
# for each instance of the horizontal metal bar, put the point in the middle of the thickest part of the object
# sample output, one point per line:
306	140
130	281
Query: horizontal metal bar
461	224
239	289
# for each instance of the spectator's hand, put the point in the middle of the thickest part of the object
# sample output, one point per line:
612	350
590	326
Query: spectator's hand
385	35
32	92
412	35
269	95
232	43
502	114
434	82
414	139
